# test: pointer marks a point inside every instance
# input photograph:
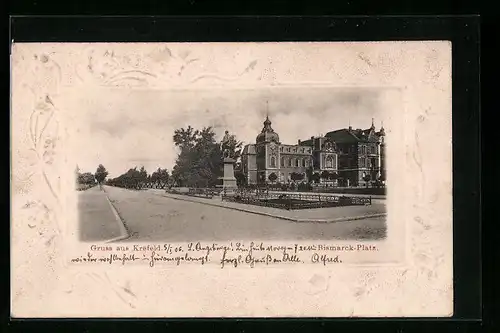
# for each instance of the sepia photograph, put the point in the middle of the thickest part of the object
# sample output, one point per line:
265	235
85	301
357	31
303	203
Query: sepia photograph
299	163
294	174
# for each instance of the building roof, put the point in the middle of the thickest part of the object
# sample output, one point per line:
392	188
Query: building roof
267	134
353	135
249	149
307	142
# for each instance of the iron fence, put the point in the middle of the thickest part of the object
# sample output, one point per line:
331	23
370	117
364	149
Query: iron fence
292	201
208	193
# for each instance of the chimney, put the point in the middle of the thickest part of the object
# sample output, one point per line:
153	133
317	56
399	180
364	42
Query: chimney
312	137
299	142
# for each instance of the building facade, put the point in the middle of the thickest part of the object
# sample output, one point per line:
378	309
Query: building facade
342	157
361	154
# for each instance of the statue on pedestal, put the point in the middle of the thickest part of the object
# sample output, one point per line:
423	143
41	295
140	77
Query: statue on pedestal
228	145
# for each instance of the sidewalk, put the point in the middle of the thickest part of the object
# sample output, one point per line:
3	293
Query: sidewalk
98	219
317	215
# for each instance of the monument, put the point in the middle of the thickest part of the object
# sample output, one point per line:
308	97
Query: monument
228	180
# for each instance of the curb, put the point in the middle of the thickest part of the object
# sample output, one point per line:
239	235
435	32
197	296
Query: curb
340	219
123	228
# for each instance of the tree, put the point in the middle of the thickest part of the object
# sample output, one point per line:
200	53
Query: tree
199	163
185	138
272	177
86	178
310	173
315	177
325	175
333	176
367	178
295	176
162	177
241	180
382	177
101	174
142	177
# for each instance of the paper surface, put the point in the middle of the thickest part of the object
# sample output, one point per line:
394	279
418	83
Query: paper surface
92	253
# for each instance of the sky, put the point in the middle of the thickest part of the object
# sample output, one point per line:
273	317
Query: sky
122	129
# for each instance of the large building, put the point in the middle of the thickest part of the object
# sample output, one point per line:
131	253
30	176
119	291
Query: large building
347	154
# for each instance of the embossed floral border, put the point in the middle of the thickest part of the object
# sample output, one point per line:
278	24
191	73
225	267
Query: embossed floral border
44	285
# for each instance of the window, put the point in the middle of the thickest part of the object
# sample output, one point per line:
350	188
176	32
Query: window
273	162
297	161
329	162
290	162
304	162
283	162
362	163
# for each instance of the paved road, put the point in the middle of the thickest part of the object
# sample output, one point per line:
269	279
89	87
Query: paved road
96	221
153	218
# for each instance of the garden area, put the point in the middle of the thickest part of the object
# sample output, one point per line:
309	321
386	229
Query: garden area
294	201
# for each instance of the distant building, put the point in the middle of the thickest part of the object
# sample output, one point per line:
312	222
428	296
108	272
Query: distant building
346	155
361	153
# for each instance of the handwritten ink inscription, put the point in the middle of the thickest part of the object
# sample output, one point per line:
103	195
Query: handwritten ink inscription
252	254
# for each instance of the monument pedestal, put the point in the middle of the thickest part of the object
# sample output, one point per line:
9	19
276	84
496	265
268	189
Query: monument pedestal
228	180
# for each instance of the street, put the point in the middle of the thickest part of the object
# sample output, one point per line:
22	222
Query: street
153	218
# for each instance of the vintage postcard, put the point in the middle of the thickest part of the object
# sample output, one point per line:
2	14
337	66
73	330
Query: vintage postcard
231	180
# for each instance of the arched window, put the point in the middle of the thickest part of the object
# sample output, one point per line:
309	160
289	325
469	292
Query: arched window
273	162
329	162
